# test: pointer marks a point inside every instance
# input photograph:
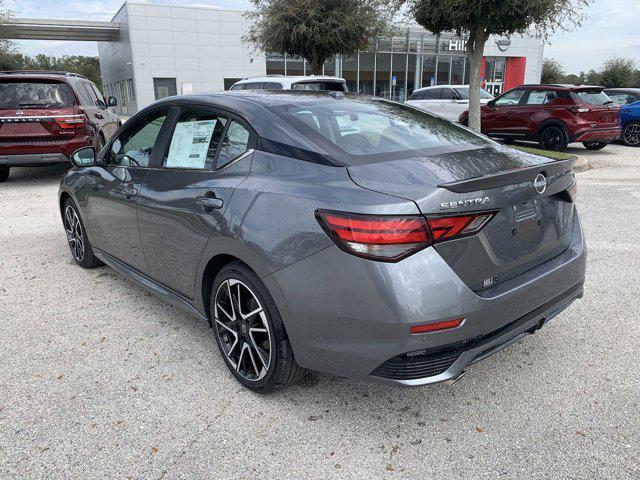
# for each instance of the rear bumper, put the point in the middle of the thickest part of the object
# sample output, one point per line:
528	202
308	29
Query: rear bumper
351	317
597	135
33	159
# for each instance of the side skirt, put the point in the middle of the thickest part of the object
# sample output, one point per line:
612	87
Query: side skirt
149	284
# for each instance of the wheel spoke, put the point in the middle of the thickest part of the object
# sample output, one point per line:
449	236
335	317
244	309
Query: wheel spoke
253	361
242	350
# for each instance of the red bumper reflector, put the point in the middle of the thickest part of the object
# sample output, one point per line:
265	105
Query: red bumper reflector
437	326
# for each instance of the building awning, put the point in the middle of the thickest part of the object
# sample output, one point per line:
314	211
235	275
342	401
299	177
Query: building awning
42	29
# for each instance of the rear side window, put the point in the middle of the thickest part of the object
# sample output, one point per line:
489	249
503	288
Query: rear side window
447	94
195	140
235	143
541	97
239	86
319	86
272	86
623	98
134	146
433	94
253	86
592	98
418	95
25	95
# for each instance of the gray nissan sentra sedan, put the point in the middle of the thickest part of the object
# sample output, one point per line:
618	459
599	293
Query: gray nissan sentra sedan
345	234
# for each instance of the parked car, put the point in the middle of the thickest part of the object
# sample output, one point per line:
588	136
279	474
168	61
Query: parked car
280	82
553	115
629	99
45	116
448	101
345	234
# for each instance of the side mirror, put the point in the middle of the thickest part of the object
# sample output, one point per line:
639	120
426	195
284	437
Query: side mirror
491	103
112	101
84	157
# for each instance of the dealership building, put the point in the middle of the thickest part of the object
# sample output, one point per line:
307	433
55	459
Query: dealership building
150	51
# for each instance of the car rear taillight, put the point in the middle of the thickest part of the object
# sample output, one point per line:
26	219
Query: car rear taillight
450	227
71	121
392	238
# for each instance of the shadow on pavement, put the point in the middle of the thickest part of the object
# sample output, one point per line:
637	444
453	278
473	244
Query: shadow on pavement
37	175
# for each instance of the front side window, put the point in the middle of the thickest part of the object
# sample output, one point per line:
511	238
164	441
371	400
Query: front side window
372	127
511	98
195	140
134	146
319	86
541	97
235	143
448	94
434	94
463	93
26	94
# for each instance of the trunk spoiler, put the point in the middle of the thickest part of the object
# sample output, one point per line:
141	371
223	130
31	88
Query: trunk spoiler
552	171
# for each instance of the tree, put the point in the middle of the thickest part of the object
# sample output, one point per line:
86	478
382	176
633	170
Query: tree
593	78
6	47
619	72
316	29
552	71
87	66
478	19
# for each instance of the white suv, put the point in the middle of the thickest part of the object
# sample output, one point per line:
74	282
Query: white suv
447	101
280	82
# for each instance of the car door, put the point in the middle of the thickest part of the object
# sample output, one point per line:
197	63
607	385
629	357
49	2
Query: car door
497	115
183	199
112	202
536	105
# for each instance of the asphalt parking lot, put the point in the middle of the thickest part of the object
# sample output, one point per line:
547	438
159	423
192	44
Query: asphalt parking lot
102	380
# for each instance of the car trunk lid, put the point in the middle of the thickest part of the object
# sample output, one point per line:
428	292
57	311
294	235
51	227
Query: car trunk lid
530	226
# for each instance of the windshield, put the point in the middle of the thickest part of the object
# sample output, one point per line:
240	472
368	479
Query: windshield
593	98
26	95
464	93
318	86
365	128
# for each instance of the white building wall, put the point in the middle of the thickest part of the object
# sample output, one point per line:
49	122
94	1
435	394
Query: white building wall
531	47
198	46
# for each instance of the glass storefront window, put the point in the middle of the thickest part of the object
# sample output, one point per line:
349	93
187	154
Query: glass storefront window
428	71
383	78
275	64
398	91
411	75
350	71
295	65
366	72
444	65
457	67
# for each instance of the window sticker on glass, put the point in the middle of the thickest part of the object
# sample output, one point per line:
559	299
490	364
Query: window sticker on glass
190	144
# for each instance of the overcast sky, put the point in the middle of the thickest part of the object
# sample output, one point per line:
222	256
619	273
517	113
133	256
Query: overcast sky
612	29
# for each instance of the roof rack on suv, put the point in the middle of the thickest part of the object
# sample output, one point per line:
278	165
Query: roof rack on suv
41	72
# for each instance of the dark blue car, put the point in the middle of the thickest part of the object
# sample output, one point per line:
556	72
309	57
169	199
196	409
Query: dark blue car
629	99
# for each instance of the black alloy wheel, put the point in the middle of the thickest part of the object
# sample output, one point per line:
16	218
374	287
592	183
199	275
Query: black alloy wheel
553	138
249	331
631	134
76	237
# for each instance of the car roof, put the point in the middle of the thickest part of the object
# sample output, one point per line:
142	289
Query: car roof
41	74
623	90
289	79
562	86
440	86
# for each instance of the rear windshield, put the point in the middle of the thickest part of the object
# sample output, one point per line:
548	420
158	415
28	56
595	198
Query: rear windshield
376	127
25	95
318	86
464	93
593	98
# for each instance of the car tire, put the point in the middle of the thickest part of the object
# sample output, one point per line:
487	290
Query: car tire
594	145
553	138
245	328
631	134
79	243
4	173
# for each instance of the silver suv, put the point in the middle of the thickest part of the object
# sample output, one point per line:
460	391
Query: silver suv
281	82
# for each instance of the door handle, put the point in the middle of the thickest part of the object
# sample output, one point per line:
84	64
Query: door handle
209	203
